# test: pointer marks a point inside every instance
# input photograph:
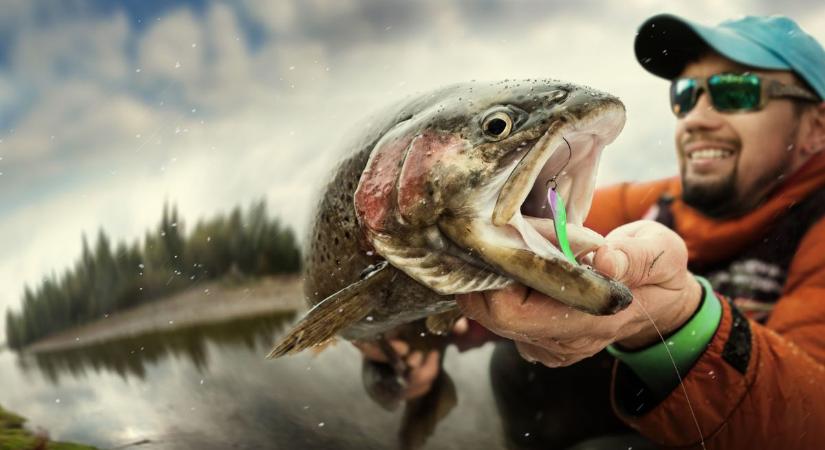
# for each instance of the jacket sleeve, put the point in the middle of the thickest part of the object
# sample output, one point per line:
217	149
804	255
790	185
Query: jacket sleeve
755	386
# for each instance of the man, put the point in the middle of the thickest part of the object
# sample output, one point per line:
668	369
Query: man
743	368
730	271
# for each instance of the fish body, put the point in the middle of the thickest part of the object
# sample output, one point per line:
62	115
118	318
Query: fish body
446	193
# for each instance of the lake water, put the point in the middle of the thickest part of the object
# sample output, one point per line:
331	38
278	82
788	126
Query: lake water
210	387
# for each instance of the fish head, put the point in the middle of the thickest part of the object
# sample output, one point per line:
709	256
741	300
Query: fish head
455	195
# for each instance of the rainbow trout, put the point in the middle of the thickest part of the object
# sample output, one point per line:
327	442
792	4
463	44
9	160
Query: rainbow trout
447	194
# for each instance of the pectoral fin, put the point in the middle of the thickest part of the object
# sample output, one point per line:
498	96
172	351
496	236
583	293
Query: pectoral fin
442	324
333	314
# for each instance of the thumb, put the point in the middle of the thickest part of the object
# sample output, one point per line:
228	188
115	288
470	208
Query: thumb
612	262
640	254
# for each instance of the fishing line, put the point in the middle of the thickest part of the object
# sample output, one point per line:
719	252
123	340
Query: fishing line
676	369
558	210
559	213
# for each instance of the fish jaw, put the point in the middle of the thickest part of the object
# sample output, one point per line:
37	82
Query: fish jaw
513	230
572	284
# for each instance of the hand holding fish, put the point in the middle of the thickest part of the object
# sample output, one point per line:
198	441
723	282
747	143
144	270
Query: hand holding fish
421	368
646	256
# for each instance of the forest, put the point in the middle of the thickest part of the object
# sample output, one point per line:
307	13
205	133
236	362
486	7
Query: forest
108	277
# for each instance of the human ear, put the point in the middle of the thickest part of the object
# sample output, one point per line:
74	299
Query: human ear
814	136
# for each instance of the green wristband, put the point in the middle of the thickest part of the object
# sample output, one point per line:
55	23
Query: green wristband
654	365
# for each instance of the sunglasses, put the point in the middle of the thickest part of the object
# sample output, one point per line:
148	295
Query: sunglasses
732	92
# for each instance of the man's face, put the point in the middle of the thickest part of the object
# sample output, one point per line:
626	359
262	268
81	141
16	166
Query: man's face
730	162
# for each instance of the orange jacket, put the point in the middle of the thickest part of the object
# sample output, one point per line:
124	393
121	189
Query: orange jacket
779	400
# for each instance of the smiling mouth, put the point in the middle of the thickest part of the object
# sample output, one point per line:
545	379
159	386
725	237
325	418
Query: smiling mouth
709	154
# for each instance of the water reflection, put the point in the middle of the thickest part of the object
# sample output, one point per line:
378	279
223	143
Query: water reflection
130	356
209	387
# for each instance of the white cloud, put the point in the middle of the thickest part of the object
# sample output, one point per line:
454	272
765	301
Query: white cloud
166	51
77	49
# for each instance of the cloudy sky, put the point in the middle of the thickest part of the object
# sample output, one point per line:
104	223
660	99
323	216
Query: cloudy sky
110	108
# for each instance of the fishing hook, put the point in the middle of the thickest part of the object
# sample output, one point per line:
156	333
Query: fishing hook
569	157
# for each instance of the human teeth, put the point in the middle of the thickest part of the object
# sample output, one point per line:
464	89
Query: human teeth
710	153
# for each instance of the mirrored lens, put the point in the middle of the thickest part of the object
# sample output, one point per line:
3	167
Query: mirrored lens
682	95
734	92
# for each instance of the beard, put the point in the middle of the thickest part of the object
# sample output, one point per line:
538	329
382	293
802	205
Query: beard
723	199
713	200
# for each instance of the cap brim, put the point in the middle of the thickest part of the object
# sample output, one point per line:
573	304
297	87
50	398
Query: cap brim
666	43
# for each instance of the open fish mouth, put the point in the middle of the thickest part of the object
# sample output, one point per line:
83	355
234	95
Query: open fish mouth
513	231
570	157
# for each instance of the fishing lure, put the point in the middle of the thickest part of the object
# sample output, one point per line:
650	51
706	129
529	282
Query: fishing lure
559	212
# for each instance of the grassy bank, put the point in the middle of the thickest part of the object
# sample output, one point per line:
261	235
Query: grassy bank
13	436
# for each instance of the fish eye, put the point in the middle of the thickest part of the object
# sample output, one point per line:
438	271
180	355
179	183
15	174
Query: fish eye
497	125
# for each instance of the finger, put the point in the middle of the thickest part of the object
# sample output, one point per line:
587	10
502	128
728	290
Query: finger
428	370
472	305
461	326
536	354
641	253
421	380
417	390
401	348
522	314
415	359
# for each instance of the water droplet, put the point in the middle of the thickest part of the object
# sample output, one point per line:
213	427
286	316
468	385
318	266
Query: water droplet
177	65
57	400
369	318
321	424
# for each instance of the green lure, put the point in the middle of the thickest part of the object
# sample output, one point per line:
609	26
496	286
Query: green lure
560	222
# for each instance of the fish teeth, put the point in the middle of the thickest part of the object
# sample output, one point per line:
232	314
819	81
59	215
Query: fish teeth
710	153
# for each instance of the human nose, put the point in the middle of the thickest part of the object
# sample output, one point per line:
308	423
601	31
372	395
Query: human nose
702	115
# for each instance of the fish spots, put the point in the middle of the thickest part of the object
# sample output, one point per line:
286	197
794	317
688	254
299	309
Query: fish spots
474	179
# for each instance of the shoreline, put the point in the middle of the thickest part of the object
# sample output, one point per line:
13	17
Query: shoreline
211	302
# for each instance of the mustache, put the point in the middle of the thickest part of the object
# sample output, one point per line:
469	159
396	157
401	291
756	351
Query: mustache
691	137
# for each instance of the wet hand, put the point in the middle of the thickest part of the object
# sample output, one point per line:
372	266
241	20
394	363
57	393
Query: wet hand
647	257
422	368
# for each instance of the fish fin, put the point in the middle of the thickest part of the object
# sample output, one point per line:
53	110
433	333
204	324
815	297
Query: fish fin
442	324
444	273
318	348
333	314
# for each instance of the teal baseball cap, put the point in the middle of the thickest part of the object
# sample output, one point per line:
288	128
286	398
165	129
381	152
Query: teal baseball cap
666	43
